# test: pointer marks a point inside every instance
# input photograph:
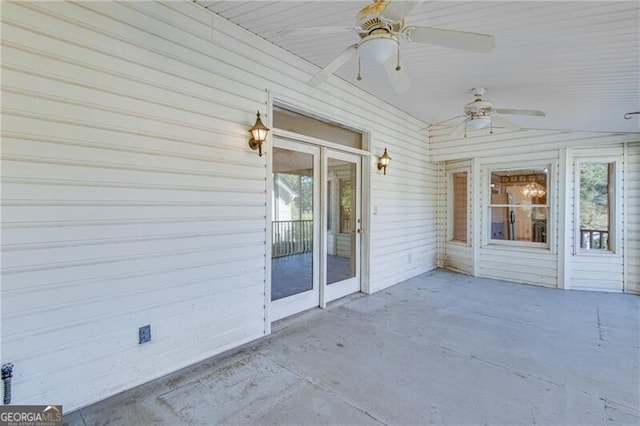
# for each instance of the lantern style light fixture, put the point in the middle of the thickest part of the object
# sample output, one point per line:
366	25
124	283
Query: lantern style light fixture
383	161
258	135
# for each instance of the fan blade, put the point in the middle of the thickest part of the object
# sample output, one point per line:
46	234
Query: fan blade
312	31
334	65
458	128
499	121
397	10
521	112
474	42
399	79
442	123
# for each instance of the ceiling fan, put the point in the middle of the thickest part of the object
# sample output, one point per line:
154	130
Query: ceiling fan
481	113
381	27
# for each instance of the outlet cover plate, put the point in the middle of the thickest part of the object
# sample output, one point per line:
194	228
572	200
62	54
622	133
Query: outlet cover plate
144	334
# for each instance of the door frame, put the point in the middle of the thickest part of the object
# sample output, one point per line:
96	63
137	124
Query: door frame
365	240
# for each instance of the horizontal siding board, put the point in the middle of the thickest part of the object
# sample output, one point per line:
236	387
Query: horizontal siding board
597	285
49	236
82	192
77	269
610	275
516	143
39	168
528	277
517	266
150	306
92	134
459	257
128	285
143	275
86	130
496	251
147	362
165	103
54	256
106	212
107	77
170	122
132	43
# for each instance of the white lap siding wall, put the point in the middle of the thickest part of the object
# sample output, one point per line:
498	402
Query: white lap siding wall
632	218
130	196
559	266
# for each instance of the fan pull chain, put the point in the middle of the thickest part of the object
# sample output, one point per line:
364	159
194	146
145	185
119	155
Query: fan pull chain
491	125
359	76
398	59
465	128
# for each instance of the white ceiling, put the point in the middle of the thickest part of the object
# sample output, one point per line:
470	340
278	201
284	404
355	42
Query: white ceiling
577	61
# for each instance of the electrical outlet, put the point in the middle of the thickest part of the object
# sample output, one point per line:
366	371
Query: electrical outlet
144	334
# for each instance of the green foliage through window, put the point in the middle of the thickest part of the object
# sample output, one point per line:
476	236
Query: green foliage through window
302	185
595	200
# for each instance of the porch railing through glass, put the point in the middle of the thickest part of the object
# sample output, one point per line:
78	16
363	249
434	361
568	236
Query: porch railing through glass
594	239
291	237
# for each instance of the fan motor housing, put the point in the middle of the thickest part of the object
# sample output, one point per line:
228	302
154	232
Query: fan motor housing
478	107
370	19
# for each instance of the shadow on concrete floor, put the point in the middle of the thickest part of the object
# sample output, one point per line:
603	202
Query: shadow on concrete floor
440	348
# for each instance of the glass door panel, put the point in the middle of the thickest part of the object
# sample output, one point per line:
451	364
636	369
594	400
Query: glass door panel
295	206
343	230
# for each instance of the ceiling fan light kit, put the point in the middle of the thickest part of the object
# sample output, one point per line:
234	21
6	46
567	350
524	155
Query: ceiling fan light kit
480	113
478	122
378	48
381	27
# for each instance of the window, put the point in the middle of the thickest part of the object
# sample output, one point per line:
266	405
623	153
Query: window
519	206
459	195
596	191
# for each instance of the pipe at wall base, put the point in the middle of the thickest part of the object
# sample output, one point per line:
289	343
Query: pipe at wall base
7	374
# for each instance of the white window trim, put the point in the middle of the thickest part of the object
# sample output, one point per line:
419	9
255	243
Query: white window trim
614	213
450	213
550	245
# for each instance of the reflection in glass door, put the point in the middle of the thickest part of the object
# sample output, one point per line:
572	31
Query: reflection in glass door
343	225
294	263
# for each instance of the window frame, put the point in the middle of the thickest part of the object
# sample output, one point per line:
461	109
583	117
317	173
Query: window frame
614	207
450	203
551	166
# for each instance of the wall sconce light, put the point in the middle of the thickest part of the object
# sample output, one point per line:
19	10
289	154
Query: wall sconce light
258	135
383	161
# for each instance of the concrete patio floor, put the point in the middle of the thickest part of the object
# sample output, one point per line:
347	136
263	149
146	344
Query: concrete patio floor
440	348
